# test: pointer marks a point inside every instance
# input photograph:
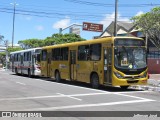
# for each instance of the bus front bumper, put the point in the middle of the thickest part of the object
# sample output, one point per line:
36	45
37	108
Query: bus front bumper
128	82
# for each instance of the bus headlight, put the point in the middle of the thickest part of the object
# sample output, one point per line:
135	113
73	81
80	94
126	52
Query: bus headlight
118	75
144	75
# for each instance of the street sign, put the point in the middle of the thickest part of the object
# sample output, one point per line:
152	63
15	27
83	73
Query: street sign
75	30
92	27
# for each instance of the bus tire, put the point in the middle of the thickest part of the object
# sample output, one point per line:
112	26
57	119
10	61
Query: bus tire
29	73
95	81
57	77
124	87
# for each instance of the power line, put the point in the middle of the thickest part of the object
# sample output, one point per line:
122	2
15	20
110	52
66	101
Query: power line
110	5
49	14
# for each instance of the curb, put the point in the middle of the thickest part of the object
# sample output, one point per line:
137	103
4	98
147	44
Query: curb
153	85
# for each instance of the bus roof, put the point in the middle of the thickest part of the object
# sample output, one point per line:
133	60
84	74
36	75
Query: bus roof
99	40
32	49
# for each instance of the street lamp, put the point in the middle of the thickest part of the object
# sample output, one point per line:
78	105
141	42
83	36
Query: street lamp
14	5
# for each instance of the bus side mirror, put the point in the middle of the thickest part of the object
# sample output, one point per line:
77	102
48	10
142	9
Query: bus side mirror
116	50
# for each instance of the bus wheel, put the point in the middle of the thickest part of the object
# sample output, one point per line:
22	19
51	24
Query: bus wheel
95	81
29	73
58	78
124	87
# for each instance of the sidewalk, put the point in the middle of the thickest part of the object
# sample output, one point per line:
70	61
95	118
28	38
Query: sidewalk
155	76
153	83
154	80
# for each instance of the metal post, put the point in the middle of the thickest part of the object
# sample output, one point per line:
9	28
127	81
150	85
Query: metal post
13	24
115	21
14	9
60	30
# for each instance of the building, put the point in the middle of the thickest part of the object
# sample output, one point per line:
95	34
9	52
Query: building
153	59
123	29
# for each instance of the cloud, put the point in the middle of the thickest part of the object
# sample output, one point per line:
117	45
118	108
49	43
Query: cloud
39	28
139	13
110	17
25	17
62	23
28	18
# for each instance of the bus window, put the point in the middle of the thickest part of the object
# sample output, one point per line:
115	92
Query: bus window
15	57
56	54
27	56
19	57
83	52
38	57
64	53
95	51
44	55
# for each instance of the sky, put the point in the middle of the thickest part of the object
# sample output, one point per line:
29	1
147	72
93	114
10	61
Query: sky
42	18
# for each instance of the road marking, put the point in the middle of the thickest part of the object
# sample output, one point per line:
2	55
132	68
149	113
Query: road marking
96	90
90	105
53	96
69	96
20	83
89	94
131	96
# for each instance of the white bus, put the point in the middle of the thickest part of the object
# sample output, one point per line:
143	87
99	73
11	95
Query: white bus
26	62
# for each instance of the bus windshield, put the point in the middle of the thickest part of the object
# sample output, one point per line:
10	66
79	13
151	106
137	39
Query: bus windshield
130	56
37	53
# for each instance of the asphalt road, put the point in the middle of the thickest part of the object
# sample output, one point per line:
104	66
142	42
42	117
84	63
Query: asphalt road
20	93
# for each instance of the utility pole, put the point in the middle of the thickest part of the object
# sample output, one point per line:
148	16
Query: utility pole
115	21
14	8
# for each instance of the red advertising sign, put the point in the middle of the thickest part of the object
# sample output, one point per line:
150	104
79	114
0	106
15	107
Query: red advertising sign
92	27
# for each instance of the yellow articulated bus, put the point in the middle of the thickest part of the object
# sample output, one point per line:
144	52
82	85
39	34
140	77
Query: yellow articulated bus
110	61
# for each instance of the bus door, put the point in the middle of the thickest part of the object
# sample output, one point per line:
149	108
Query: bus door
12	58
108	65
32	63
21	64
49	64
73	66
44	64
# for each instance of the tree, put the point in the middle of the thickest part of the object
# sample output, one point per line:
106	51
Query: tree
54	39
30	43
2	54
66	38
149	23
2	58
1	37
10	49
